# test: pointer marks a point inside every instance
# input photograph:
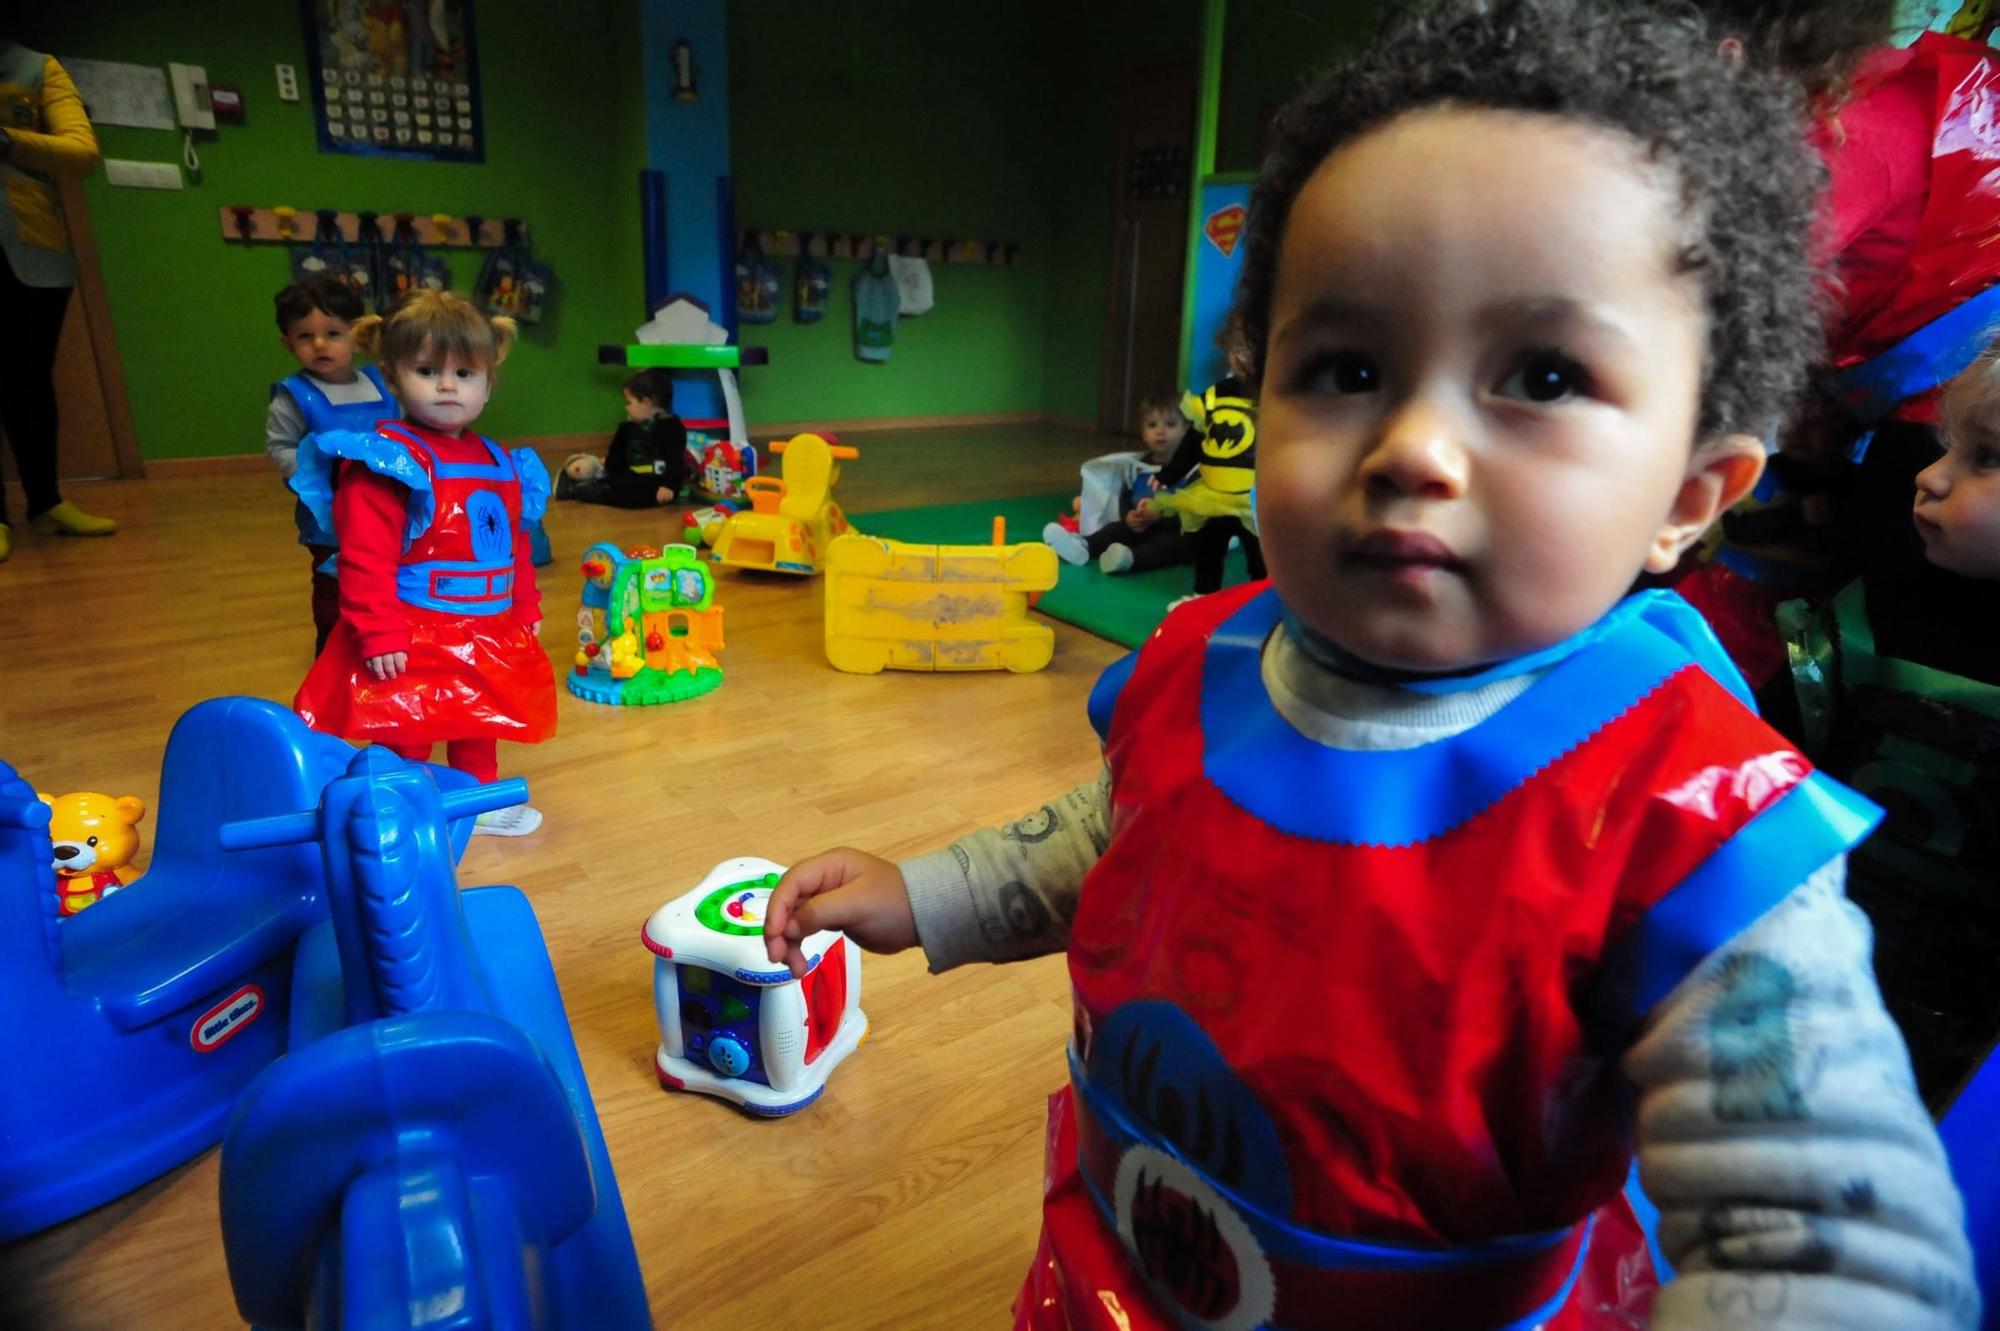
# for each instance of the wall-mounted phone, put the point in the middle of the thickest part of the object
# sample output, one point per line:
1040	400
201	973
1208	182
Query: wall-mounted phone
191	102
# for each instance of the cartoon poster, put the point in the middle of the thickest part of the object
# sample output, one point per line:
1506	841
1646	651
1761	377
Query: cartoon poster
395	78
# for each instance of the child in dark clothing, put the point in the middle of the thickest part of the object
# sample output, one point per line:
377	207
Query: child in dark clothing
1138	537
646	464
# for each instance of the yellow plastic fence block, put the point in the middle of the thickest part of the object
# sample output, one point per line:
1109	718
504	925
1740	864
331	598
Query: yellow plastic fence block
897	606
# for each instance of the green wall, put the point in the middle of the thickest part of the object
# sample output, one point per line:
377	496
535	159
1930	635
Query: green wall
859	117
564	141
1082	138
1270	53
888	118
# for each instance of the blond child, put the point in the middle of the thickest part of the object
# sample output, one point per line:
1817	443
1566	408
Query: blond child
438	604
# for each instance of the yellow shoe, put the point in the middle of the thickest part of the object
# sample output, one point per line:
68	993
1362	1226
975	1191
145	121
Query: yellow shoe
6	542
66	519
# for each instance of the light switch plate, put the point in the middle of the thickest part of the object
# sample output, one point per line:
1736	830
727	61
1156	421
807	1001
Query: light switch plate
142	175
288	83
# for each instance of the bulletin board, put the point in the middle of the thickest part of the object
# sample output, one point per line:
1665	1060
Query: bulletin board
395	78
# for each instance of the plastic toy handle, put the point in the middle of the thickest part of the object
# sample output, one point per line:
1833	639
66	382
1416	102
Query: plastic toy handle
29	815
290	829
475	800
999	529
284	829
765	493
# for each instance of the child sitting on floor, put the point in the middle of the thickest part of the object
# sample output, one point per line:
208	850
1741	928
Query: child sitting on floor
1433	875
1123	528
647	463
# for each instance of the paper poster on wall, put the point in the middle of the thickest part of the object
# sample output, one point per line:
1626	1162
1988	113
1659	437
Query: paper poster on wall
395	78
119	94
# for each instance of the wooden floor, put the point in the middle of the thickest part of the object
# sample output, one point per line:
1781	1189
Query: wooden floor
909	1195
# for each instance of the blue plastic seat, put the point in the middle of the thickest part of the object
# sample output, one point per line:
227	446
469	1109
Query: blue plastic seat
428	1155
112	1003
445	1130
145	1016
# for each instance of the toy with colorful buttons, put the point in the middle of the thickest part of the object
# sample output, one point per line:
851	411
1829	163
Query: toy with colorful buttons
648	628
733	1023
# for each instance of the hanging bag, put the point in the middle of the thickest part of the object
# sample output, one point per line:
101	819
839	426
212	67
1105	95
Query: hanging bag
404	264
325	255
364	261
499	288
876	309
537	279
757	283
810	283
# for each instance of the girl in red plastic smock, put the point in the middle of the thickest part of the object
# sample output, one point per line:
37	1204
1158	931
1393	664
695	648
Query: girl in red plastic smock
1432	877
438	605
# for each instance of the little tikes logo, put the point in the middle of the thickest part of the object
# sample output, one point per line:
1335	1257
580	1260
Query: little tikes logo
226	1020
1223	226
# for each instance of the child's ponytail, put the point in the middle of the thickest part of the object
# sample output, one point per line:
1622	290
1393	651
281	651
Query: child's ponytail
366	333
504	330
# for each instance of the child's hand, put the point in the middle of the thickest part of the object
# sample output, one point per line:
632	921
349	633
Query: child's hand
534	628
1142	516
860	894
388	665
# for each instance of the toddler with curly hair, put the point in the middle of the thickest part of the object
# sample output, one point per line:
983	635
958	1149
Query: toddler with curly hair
1429	878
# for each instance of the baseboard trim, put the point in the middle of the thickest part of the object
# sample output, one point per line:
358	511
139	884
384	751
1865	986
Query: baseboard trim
167	469
880	424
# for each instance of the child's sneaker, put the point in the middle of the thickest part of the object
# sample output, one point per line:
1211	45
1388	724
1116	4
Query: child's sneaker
1069	547
1115	559
519	820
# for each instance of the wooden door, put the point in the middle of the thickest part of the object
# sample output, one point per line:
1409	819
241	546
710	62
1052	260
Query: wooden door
93	432
1142	326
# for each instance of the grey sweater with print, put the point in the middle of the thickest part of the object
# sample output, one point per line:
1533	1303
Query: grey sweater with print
1799	1180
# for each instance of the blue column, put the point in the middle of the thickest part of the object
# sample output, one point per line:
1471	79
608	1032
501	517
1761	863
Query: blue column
688	141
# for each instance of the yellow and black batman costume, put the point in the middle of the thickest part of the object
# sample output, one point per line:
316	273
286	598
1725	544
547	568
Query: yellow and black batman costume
1221	452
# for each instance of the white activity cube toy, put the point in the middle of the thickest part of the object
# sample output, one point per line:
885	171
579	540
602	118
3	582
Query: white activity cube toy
733	1023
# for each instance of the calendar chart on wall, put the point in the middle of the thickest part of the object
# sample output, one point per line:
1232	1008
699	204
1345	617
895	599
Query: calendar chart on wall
397	78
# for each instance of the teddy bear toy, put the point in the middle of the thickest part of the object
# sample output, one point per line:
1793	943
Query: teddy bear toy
95	839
